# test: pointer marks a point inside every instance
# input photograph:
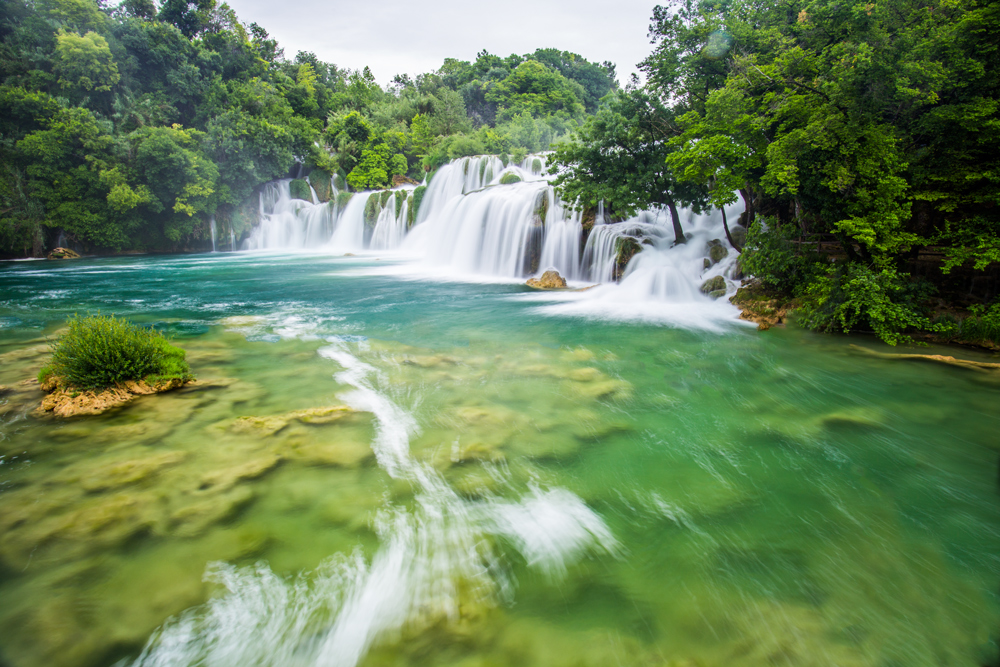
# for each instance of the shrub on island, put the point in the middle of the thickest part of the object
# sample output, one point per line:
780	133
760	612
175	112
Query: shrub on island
101	352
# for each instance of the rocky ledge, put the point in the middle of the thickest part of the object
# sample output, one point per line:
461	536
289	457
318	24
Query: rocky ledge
760	306
64	402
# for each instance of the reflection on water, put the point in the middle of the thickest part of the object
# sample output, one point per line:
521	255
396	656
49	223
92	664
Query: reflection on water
378	471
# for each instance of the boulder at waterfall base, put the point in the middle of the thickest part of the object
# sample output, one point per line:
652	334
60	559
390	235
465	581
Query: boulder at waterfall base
549	280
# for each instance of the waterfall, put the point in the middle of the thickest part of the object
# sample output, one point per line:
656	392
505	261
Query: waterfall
211	225
480	217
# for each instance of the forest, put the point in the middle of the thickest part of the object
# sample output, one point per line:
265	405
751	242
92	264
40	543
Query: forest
126	128
861	138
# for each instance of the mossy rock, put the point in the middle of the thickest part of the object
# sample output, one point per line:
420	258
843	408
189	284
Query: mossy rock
542	207
418	197
536	166
343	198
340	181
626	248
717	253
384	197
504	160
739	235
713	285
509	178
372	208
63	253
717	293
320	182
299	188
400	198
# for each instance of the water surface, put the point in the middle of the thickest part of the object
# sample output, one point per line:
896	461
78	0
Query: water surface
507	485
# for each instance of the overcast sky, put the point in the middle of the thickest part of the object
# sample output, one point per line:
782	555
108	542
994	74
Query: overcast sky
394	37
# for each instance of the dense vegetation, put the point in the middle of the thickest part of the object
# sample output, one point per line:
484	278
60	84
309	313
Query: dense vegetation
129	127
99	352
863	137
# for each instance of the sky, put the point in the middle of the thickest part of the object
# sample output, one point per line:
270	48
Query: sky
394	37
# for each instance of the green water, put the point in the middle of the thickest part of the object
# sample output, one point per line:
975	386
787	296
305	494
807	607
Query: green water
768	499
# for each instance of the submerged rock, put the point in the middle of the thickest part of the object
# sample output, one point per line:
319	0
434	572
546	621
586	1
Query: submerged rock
549	280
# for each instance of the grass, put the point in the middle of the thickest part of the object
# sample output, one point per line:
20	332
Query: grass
100	352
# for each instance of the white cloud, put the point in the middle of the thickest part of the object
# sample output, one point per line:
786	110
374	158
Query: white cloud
394	37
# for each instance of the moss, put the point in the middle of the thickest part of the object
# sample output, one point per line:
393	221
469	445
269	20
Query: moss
371	209
384	197
320	182
418	196
343	197
504	159
536	166
299	188
400	198
542	207
509	178
340	181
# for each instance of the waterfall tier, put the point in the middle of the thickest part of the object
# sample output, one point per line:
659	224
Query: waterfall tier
478	216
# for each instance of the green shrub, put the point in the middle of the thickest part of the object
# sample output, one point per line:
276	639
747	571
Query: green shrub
854	296
98	352
771	257
509	178
983	326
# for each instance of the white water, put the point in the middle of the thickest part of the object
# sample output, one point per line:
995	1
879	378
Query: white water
469	225
430	563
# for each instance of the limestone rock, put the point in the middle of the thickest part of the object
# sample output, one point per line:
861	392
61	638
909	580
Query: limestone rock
549	280
718	253
63	253
717	293
123	473
226	478
713	284
69	403
509	178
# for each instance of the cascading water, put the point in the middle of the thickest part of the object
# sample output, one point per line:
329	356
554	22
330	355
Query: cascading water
211	225
480	217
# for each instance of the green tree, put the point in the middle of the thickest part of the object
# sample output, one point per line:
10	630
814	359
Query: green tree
619	156
84	63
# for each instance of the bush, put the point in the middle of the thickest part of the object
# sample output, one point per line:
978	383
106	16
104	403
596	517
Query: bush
983	326
885	301
98	352
770	256
509	178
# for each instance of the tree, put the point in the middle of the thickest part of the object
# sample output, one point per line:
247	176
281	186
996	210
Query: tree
84	63
619	156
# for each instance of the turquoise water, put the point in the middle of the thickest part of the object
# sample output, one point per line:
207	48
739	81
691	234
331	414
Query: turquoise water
506	487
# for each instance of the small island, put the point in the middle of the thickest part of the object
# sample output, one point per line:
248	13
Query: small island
102	362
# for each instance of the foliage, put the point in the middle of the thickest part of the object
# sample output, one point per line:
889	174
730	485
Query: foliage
128	127
846	298
772	256
99	352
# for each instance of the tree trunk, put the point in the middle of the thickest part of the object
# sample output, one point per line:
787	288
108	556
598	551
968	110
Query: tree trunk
676	220
729	236
748	212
